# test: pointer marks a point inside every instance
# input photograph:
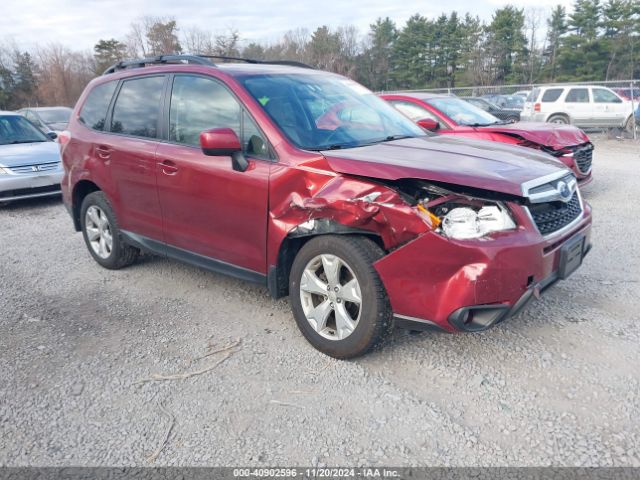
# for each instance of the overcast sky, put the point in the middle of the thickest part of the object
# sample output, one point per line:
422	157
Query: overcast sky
81	23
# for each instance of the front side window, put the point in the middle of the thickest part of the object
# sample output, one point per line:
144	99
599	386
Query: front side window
94	110
32	118
462	112
601	95
578	95
137	107
323	111
199	104
413	111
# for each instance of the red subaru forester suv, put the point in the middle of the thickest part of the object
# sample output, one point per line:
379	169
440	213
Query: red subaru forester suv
308	183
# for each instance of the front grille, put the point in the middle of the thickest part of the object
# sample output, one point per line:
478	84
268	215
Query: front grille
43	167
552	216
583	157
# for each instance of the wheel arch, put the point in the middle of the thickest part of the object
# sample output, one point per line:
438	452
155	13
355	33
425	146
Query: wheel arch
278	274
80	191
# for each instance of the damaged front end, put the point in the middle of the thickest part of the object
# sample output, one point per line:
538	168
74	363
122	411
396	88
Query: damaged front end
458	258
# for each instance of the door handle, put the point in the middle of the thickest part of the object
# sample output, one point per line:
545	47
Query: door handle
103	152
168	167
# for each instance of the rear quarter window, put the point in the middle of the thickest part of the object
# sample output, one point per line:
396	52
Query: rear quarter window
551	95
94	110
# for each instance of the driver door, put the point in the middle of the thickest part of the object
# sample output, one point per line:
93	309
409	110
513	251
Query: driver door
208	208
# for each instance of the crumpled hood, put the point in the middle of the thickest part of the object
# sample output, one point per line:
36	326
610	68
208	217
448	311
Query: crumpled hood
449	159
547	134
29	154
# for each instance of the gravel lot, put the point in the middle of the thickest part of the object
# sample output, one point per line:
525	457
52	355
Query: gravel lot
557	385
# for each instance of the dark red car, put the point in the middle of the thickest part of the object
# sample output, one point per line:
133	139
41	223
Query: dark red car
454	116
366	223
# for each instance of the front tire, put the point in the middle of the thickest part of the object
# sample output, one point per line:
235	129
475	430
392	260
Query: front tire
629	125
337	297
102	234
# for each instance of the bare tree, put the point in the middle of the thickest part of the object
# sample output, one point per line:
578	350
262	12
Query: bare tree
63	74
227	44
197	41
534	17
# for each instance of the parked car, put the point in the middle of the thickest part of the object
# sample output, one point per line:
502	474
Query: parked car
509	115
506	102
452	116
30	163
366	224
48	119
625	93
523	93
581	105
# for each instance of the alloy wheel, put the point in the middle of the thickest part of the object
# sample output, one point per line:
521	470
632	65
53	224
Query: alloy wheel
99	232
331	297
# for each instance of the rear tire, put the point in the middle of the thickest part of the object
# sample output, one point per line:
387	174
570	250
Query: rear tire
342	311
558	120
102	234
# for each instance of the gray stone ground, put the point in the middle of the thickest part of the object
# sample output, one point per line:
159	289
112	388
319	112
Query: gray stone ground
557	385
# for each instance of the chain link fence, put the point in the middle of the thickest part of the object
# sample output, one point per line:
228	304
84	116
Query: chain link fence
628	89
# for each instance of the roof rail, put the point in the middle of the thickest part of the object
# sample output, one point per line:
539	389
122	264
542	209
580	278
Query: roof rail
159	60
291	63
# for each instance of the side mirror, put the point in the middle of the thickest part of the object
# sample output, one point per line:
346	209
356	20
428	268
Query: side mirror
52	135
428	124
223	142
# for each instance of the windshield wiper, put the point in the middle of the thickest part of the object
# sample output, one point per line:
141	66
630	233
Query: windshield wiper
482	124
14	142
339	146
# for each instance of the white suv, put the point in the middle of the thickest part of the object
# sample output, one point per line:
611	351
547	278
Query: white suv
580	105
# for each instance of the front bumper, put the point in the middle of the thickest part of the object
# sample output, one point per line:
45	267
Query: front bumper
20	186
472	285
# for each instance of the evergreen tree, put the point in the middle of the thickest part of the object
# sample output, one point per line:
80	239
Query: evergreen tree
556	28
25	84
412	66
507	45
108	52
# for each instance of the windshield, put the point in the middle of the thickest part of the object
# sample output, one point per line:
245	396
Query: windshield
55	115
321	112
463	113
16	129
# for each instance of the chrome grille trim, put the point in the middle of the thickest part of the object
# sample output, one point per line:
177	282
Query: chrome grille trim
31	169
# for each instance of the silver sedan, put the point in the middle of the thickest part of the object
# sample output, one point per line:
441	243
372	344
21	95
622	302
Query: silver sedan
30	164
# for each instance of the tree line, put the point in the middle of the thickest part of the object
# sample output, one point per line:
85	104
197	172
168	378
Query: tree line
596	40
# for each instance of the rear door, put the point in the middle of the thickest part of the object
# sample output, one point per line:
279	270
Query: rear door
129	151
579	106
209	208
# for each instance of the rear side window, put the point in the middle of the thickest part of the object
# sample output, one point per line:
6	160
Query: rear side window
533	95
137	107
94	110
578	95
551	95
601	95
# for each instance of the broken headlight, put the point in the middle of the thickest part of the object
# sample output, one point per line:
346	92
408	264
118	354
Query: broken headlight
466	218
